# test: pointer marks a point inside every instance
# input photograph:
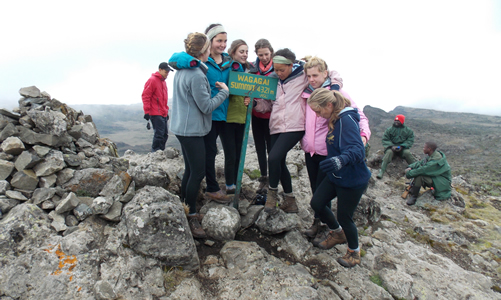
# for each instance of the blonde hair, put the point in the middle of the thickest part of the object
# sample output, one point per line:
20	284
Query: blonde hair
313	61
321	97
195	43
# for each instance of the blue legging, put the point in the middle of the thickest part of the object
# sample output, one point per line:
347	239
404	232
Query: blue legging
347	202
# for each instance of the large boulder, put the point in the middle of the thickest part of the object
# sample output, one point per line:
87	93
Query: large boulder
221	223
156	226
277	222
88	181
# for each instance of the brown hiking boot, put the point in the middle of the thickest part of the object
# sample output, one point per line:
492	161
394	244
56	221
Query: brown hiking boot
350	259
312	231
263	185
219	197
196	229
271	204
289	205
333	238
322	232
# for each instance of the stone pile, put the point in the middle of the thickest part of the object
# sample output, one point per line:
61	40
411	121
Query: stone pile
52	156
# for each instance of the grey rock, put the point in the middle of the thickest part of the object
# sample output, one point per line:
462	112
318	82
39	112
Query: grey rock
104	291
26	122
151	175
47	181
221	223
250	218
89	132
16	195
58	221
41	151
131	192
156	226
68	203
295	244
83	143
70	230
71	220
6	204
49	122
117	185
171	153
4	186
76	132
6	168
12	145
114	212
30	92
7	157
277	223
24	180
48	205
90	181
101	205
72	160
42	194
26	160
82	211
8	131
64	176
52	163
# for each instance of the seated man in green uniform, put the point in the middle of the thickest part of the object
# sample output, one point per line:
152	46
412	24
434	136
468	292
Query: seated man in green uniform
397	139
433	171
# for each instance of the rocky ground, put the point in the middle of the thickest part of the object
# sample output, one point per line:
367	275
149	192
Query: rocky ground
81	223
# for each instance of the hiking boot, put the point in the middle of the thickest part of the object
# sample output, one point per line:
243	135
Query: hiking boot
271	204
380	174
322	233
333	238
289	205
263	185
312	231
350	259
196	229
219	197
198	216
414	193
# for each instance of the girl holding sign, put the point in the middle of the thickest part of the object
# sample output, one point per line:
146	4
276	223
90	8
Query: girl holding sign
191	117
286	127
262	111
347	175
236	117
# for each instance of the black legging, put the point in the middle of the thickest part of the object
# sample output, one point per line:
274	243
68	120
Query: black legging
218	129
194	169
347	202
262	141
235	136
281	143
315	174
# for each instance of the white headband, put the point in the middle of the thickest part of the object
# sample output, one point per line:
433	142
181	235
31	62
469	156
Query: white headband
215	31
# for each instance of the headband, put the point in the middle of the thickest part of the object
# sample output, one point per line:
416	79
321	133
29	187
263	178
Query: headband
207	44
279	59
215	31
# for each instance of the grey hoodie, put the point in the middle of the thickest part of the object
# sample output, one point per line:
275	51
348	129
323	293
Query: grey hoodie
192	106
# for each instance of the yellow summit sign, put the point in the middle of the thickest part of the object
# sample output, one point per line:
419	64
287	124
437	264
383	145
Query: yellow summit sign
254	86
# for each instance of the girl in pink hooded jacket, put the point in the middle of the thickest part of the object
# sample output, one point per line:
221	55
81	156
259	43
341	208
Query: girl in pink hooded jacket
316	127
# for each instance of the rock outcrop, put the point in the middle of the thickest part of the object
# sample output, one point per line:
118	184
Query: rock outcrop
81	223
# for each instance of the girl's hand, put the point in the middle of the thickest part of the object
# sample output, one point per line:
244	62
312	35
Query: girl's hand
222	86
247	101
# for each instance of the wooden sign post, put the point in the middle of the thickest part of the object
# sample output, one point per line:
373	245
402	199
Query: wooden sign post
253	86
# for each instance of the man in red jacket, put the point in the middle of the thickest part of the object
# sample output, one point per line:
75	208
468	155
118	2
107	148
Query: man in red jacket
155	106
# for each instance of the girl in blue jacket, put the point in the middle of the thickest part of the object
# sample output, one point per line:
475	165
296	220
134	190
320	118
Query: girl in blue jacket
347	174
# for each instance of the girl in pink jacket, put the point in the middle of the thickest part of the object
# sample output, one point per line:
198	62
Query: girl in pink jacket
316	127
286	127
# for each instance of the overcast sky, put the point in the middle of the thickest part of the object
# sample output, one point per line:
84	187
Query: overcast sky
442	55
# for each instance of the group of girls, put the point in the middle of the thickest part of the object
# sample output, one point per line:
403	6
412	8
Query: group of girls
331	130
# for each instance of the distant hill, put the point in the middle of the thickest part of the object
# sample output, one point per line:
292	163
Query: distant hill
471	142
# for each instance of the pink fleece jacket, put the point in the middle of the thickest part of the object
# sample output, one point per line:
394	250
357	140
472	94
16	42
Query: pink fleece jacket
316	128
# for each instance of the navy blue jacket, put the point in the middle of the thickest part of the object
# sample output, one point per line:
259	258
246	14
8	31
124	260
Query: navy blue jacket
345	142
